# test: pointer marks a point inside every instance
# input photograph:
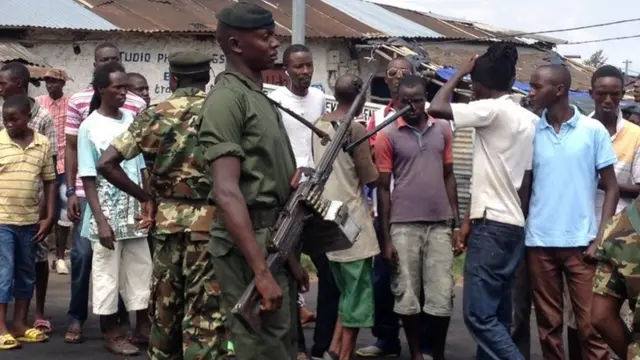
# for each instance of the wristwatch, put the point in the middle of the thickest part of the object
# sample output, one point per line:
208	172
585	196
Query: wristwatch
70	192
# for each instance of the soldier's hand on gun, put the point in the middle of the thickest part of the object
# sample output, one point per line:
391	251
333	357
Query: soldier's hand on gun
270	292
106	235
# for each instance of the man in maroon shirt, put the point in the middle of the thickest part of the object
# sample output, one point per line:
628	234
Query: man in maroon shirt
418	225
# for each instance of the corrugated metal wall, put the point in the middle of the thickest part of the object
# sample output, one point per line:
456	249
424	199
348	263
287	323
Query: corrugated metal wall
462	165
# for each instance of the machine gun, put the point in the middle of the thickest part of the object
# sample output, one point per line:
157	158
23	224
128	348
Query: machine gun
307	210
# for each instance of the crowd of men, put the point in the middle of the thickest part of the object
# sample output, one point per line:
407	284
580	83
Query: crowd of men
172	207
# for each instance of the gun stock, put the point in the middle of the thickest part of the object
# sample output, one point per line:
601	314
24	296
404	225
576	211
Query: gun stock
248	307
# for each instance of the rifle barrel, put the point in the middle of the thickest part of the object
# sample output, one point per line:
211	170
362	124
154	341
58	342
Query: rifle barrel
381	126
338	139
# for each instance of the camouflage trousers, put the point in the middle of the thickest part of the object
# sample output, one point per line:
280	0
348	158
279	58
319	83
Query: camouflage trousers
618	271
186	320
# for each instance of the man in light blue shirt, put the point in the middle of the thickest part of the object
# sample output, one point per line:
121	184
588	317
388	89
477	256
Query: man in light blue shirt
571	152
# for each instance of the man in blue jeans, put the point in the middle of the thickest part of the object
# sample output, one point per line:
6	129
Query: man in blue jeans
501	162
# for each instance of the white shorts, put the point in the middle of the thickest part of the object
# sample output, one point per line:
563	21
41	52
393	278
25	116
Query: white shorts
126	271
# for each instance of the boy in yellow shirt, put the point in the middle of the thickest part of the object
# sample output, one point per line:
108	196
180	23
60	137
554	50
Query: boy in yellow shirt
25	160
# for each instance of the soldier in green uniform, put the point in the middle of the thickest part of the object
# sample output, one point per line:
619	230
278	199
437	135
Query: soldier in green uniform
252	164
617	279
185	313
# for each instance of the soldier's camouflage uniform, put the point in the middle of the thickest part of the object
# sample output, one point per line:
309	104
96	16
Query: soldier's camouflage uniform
186	319
618	272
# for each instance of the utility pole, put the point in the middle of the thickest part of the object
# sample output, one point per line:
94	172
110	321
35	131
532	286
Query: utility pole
626	66
299	20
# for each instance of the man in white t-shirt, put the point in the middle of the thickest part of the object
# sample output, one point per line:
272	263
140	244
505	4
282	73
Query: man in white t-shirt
81	251
310	103
502	158
301	98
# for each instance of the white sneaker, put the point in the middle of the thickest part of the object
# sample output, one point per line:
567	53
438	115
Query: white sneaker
61	267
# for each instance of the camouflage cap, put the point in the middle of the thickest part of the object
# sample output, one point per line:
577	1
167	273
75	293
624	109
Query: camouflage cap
189	62
246	16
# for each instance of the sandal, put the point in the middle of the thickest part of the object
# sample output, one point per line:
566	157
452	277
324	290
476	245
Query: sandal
121	346
8	342
32	336
74	335
42	325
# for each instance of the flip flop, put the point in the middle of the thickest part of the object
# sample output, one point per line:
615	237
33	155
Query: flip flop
74	335
42	325
32	336
8	342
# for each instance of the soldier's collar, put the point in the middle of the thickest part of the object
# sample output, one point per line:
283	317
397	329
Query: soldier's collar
243	79
188	91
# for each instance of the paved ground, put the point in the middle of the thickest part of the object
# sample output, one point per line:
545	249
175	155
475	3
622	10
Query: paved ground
460	346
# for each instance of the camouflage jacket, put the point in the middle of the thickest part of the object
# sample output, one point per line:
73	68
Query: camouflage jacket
167	136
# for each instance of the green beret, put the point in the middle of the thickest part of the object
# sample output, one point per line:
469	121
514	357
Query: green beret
189	62
246	16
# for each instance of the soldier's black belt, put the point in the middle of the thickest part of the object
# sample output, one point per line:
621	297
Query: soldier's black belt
263	217
186	201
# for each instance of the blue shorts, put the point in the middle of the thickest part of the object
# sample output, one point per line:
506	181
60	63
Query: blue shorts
17	256
61	209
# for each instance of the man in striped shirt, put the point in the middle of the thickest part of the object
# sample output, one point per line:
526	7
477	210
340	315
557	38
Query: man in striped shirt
81	252
56	103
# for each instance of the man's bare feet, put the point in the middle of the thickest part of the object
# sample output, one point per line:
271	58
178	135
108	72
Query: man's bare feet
306	316
74	334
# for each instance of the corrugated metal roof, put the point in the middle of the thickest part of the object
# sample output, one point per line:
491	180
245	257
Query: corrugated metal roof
200	16
10	51
463	167
446	28
507	32
51	13
451	27
382	19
